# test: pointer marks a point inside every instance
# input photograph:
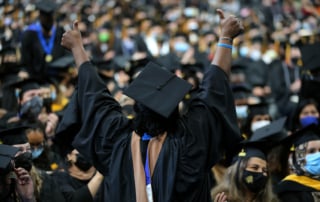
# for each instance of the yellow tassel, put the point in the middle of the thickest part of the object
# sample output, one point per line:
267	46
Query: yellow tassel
242	153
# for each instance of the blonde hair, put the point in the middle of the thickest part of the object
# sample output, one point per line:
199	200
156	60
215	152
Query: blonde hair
235	190
37	181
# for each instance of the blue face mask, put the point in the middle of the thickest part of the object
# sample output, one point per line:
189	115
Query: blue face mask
313	163
36	152
308	120
244	51
241	111
53	95
181	47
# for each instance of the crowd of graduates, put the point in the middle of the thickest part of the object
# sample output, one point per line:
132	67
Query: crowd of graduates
274	78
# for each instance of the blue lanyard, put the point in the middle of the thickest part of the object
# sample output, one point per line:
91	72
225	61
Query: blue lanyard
47	47
147	137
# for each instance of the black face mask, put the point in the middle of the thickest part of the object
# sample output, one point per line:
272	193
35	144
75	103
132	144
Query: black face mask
295	60
31	109
254	181
82	163
24	160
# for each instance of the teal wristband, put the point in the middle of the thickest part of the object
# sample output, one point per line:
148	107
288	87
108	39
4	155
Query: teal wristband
224	45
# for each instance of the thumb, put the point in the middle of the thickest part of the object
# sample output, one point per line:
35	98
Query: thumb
220	13
75	25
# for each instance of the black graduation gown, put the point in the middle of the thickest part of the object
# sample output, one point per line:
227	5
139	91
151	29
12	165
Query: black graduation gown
291	191
280	79
72	189
33	55
183	168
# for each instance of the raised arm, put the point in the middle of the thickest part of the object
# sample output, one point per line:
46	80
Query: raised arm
72	41
230	27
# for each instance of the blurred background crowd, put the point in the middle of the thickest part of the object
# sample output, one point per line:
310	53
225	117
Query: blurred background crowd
275	70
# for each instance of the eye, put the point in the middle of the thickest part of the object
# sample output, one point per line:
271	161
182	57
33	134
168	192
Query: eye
254	167
264	170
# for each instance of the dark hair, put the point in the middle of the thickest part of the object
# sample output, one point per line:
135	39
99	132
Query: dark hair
148	121
295	121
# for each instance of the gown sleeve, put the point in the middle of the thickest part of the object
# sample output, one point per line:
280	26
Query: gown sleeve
96	118
211	123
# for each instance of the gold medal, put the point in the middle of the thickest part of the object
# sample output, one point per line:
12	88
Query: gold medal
48	58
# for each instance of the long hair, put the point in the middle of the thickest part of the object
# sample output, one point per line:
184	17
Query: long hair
235	189
148	121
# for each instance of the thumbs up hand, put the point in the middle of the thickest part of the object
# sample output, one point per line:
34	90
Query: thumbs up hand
230	26
72	38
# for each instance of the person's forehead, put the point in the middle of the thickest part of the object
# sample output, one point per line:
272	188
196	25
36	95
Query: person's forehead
313	143
32	91
257	161
309	107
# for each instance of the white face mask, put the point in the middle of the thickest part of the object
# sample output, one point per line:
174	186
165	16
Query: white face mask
259	124
255	55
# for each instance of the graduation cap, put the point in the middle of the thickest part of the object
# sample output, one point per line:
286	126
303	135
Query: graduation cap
306	134
249	151
61	65
270	134
241	91
265	138
24	85
14	135
310	55
46	6
62	62
158	89
238	68
259	108
7	153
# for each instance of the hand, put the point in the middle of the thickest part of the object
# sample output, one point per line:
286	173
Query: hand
72	39
230	26
220	197
24	184
52	122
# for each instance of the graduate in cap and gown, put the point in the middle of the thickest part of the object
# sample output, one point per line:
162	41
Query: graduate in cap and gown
159	155
16	183
304	182
41	41
17	173
247	179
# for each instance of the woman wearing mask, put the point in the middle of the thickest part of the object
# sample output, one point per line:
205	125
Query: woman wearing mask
246	180
304	183
258	117
43	157
306	113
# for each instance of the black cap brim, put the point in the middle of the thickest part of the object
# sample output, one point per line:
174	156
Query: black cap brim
7	153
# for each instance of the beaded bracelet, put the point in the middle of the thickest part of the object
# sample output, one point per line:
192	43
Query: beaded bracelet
224	45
